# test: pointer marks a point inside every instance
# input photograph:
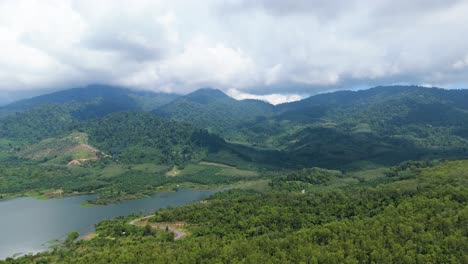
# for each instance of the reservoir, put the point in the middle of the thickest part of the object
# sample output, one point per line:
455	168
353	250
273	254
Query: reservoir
28	225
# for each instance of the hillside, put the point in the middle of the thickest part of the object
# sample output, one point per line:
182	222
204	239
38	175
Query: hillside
73	147
47	130
120	155
385	103
314	170
142	137
213	110
415	212
96	100
383	124
37	123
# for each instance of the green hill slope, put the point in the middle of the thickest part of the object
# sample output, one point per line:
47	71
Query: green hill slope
61	150
215	111
96	101
417	213
384	124
143	137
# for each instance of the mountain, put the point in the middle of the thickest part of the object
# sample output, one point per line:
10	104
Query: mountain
47	132
393	100
378	126
142	137
280	207
40	122
133	136
47	152
96	100
384	124
215	111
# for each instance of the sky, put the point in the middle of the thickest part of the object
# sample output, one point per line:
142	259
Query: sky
273	50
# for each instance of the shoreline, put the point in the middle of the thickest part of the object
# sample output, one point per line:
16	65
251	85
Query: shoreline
106	201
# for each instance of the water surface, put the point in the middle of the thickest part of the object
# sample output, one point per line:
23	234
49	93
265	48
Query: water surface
27	224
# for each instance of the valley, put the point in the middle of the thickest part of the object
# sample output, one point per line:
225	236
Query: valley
130	149
233	132
309	171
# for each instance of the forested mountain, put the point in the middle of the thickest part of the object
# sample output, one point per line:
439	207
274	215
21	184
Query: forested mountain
45	150
132	136
405	104
39	122
357	208
96	100
382	125
143	137
213	110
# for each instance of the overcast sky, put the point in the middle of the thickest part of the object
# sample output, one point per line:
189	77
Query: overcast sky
269	49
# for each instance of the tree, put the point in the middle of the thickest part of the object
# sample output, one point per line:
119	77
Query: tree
148	230
72	236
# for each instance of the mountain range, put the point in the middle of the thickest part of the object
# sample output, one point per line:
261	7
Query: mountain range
348	159
382	125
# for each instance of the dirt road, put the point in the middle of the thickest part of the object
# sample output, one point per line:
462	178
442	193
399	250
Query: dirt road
170	226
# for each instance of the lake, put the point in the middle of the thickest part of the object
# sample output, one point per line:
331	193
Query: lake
28	224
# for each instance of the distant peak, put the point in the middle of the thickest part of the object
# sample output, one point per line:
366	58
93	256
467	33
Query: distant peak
207	95
209	91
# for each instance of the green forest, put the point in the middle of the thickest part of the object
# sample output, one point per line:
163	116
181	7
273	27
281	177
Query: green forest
415	213
371	176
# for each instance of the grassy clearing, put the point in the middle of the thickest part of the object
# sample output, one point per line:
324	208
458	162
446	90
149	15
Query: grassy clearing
173	172
209	169
230	170
113	170
151	168
215	164
237	172
262	185
6	142
200	170
369	175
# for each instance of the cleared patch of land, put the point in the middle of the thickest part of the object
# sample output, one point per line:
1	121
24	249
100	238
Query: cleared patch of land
174	227
71	150
89	236
262	185
215	164
173	172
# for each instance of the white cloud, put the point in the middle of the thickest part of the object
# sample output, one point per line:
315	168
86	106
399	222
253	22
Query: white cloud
461	64
274	98
254	46
199	63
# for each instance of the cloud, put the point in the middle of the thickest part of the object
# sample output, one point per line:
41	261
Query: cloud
274	98
252	46
318	8
199	63
461	64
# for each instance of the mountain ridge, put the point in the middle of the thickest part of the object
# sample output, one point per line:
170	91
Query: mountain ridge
410	122
100	98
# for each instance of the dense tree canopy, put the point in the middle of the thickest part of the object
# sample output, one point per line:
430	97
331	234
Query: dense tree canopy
370	205
420	217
